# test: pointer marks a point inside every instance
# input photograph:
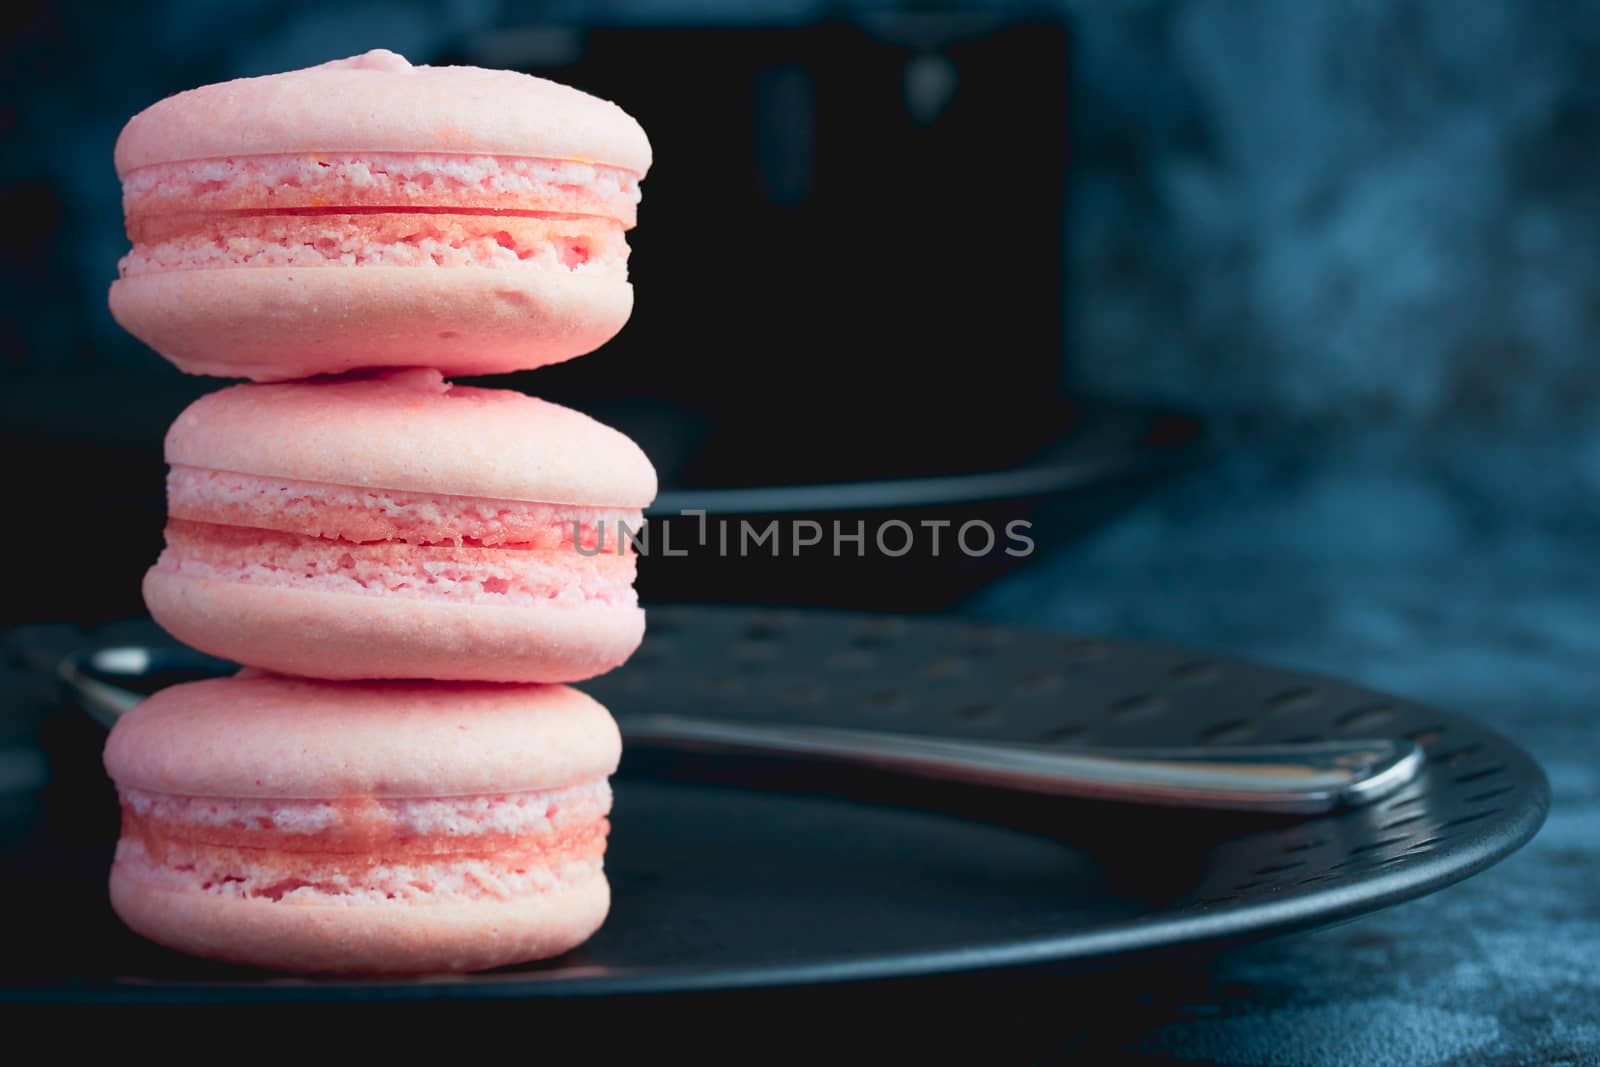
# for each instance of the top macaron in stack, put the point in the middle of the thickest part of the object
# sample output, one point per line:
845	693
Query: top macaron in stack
389	215
346	236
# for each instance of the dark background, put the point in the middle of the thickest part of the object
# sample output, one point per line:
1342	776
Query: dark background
1358	244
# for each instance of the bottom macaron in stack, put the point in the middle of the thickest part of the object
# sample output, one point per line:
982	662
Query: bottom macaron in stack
397	525
363	827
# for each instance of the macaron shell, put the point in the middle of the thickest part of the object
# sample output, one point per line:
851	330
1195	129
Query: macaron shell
279	323
453	936
414	431
336	636
264	735
380	102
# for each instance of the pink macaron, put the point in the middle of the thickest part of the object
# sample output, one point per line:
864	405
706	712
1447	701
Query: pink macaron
367	827
368	212
398	526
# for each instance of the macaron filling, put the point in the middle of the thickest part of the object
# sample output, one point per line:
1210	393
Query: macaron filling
365	849
230	527
570	243
342	824
383	209
507	575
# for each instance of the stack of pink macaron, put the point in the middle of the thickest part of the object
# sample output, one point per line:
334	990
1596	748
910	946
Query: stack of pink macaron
397	782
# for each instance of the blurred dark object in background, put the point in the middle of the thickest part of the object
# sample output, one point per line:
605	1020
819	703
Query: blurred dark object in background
851	248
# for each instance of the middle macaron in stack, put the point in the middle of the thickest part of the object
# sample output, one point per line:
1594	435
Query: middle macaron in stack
398	526
346	236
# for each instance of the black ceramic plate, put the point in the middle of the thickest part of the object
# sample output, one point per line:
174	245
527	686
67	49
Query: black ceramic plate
737	874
